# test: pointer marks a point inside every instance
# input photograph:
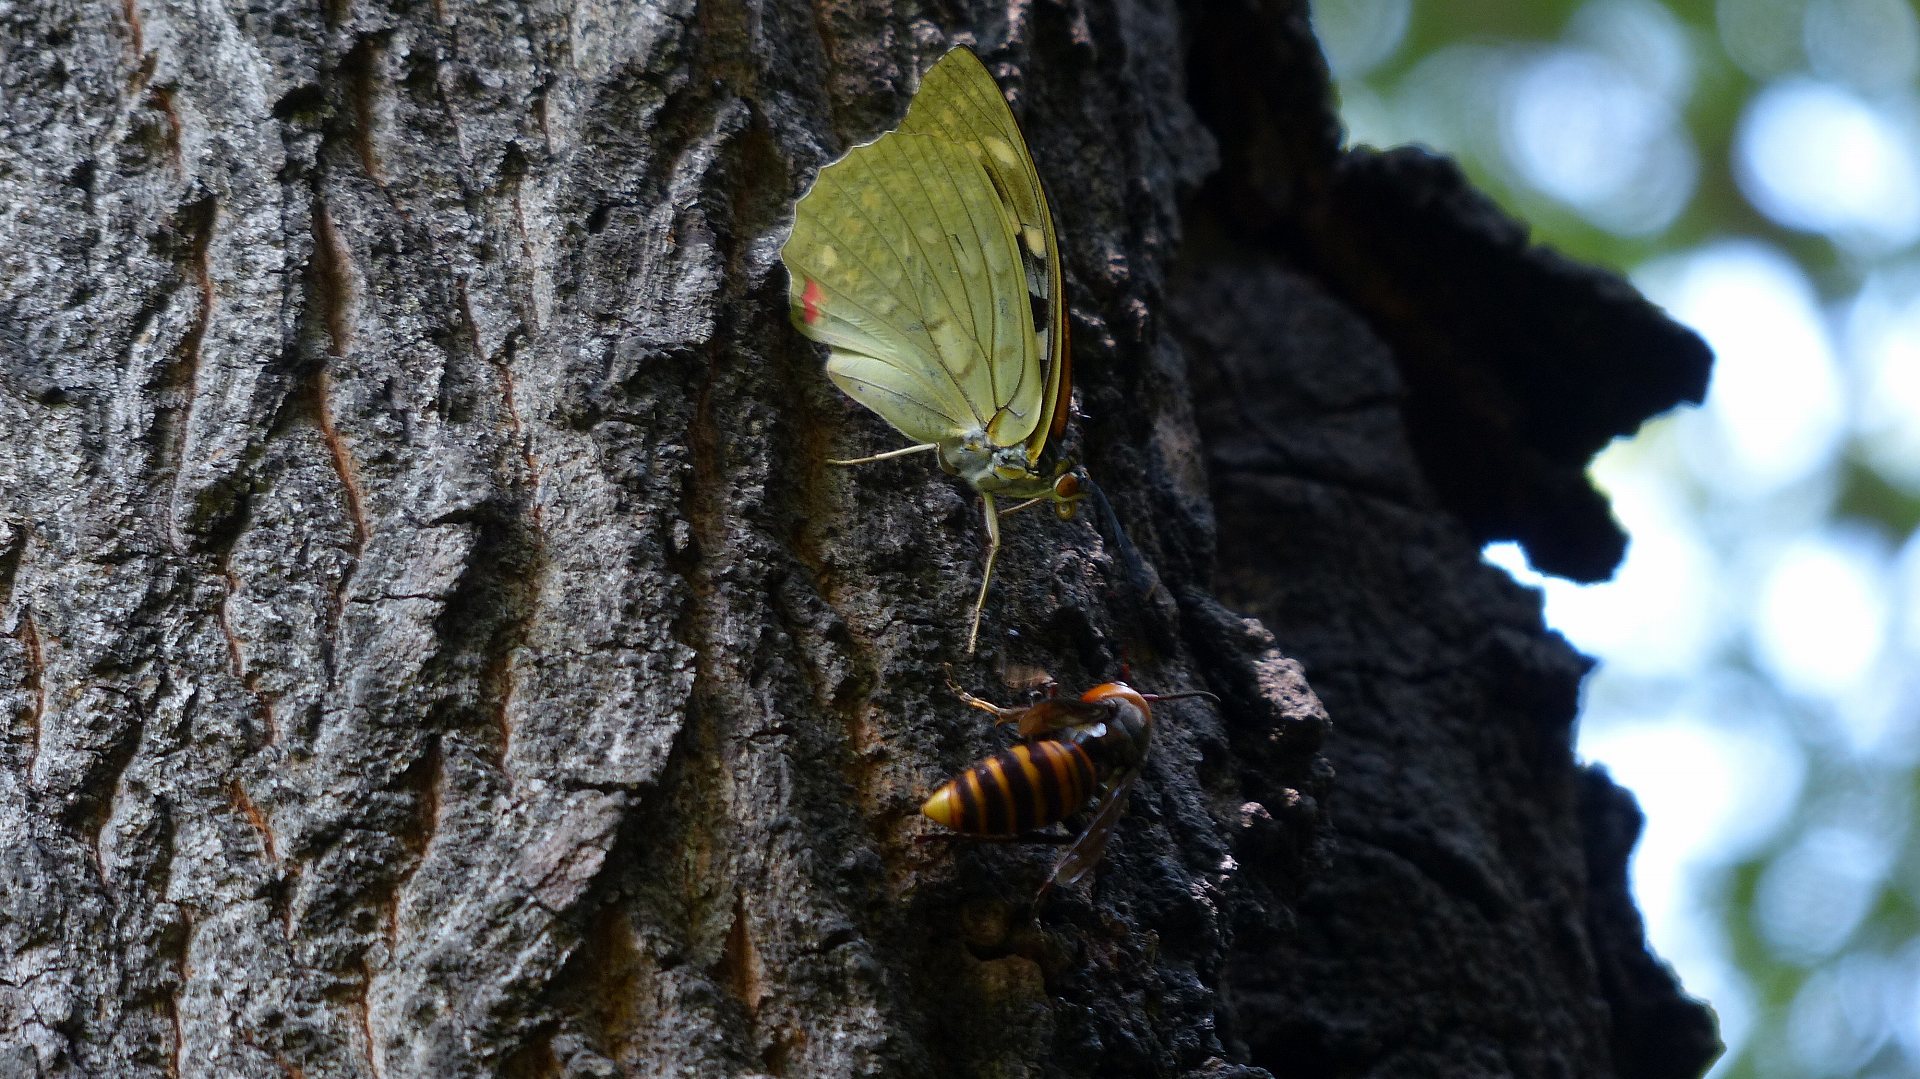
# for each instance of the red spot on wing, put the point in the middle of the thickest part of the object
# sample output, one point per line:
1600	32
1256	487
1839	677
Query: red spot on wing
810	301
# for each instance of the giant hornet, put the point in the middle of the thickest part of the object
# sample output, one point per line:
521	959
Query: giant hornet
1072	749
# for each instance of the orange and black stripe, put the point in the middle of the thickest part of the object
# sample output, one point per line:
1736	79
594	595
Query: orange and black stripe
1019	789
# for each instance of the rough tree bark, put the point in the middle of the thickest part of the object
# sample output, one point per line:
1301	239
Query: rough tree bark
435	647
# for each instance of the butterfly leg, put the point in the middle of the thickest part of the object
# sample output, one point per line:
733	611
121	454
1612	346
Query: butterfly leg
993	550
887	456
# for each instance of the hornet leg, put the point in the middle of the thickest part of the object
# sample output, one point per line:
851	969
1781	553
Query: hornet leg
993	551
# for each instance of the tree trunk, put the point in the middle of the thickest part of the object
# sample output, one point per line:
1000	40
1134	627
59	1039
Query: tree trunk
437	646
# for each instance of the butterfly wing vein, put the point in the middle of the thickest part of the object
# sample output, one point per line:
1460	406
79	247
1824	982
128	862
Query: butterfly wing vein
920	296
926	249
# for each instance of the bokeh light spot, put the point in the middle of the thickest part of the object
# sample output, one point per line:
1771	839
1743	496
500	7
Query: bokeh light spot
1660	614
1814	156
1821	617
1644	38
1883	339
1813	895
1871	44
1838	1018
1711	792
1580	128
1774	412
1359	35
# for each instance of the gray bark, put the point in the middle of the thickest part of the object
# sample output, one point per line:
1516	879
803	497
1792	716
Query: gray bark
436	647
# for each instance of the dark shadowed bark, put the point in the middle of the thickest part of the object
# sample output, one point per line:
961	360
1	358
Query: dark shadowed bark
435	645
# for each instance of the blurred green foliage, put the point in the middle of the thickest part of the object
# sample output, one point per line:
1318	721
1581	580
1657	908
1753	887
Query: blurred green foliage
1802	991
1720	91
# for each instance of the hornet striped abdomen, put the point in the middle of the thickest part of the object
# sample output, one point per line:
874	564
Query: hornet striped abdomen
1017	790
1074	749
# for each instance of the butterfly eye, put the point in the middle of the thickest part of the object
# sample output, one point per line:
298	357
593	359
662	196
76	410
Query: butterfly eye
1011	464
1067	494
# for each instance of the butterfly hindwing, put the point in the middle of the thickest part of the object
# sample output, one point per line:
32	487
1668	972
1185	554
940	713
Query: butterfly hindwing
904	261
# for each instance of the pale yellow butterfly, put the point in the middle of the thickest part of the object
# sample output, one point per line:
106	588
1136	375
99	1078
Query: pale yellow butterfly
927	261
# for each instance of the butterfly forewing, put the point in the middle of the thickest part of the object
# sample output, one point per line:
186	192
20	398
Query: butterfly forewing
905	262
959	101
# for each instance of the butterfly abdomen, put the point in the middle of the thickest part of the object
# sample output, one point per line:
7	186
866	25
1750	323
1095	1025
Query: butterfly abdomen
1017	790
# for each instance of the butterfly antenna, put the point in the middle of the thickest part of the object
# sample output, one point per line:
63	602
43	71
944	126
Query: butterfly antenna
887	456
